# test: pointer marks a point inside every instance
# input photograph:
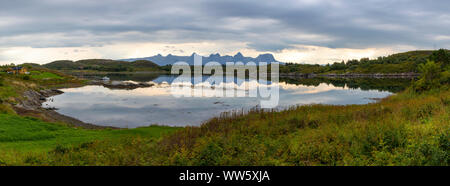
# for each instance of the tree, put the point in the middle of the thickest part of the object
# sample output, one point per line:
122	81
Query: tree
338	66
441	56
354	62
1	80
430	76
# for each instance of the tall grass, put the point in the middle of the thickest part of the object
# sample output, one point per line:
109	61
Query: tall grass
23	139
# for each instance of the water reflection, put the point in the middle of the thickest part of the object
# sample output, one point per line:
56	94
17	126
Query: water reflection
157	105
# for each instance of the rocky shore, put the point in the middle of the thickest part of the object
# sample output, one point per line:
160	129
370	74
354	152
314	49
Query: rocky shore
120	84
31	105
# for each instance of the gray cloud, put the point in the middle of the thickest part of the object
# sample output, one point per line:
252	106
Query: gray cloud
264	25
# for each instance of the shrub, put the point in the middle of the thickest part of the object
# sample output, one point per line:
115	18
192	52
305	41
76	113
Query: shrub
445	77
26	77
429	77
441	56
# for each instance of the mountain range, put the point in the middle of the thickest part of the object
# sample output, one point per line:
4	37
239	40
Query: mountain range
171	59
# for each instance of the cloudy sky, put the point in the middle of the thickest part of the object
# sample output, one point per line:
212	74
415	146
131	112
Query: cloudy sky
305	31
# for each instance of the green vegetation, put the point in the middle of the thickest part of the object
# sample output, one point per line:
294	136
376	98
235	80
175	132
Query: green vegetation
38	78
44	75
435	72
430	76
396	63
24	136
12	86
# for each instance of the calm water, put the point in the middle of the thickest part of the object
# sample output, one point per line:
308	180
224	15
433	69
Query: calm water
157	105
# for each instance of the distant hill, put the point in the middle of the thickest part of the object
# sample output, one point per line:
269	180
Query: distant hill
171	59
395	63
103	65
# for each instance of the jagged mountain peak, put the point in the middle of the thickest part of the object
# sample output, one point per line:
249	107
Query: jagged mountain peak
239	55
171	59
214	55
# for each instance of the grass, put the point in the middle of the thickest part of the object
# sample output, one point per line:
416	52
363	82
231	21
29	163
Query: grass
23	136
7	91
44	75
12	86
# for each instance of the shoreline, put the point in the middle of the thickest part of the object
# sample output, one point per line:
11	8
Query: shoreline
353	75
119	84
32	106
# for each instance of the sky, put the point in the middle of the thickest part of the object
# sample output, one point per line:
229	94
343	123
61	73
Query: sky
301	31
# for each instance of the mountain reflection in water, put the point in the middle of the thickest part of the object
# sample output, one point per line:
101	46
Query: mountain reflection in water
157	104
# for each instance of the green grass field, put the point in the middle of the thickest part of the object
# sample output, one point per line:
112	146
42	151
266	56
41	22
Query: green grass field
22	136
44	75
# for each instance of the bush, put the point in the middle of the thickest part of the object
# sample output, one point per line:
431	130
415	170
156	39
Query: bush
445	77
430	74
26	77
441	56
